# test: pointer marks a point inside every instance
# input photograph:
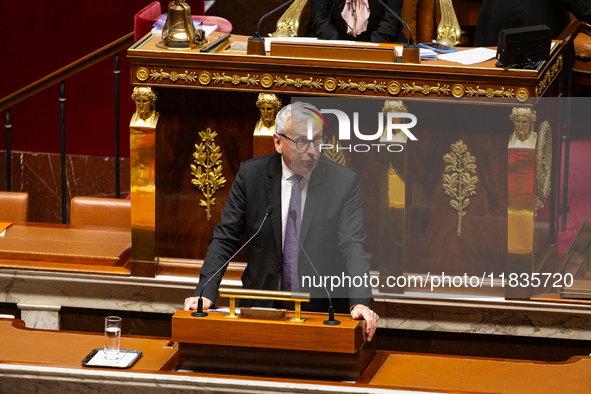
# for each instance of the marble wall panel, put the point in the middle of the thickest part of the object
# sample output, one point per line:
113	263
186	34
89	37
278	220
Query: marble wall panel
39	174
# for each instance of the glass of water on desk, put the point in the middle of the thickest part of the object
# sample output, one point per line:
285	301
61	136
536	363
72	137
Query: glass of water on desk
112	337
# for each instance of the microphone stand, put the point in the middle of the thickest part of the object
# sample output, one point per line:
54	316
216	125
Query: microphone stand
411	53
331	320
256	43
199	312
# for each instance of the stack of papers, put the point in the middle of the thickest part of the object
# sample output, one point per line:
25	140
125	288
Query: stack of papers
425	54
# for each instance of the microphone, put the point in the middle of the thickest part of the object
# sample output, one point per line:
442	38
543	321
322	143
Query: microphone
331	320
256	43
199	312
411	53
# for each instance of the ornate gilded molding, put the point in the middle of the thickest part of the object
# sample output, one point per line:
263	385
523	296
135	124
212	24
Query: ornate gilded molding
522	94
544	164
235	79
204	78
459	184
333	154
266	81
548	76
142	74
425	89
173	76
298	82
363	86
448	29
490	92
207	169
394	88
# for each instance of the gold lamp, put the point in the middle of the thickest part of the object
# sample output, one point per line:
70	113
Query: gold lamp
179	31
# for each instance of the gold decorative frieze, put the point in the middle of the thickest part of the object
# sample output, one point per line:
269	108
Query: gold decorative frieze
544	164
394	88
425	89
173	76
204	78
363	86
207	169
459	184
522	94
235	79
548	76
142	74
490	92
330	84
458	90
298	82
333	153
266	81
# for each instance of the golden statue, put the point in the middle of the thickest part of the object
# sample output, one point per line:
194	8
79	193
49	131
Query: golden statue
397	134
523	135
145	107
269	105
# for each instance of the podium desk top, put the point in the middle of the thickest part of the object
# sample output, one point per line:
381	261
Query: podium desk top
34	244
21	345
356	75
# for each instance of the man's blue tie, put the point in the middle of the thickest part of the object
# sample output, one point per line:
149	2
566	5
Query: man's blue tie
289	274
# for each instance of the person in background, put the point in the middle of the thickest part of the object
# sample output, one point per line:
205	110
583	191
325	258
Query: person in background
357	20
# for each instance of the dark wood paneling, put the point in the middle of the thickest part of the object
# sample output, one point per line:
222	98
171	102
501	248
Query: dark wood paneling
432	244
182	229
245	15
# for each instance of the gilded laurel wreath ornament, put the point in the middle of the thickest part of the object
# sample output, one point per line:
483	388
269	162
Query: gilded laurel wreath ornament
173	76
298	82
333	154
363	86
425	89
458	183
207	169
544	164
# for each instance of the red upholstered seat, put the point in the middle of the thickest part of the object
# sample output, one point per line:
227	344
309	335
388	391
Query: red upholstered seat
145	19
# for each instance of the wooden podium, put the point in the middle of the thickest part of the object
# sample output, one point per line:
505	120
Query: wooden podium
278	348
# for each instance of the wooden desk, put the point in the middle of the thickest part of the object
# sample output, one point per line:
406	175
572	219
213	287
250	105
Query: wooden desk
46	362
64	248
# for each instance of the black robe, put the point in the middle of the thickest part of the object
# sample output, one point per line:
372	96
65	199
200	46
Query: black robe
382	26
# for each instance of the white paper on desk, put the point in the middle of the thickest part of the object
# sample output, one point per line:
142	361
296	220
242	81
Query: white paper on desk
424	53
3	233
471	56
269	40
100	360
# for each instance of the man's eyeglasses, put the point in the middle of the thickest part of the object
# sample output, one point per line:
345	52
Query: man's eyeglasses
302	144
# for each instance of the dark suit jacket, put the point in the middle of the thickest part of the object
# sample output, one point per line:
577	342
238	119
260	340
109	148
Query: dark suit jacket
332	231
382	26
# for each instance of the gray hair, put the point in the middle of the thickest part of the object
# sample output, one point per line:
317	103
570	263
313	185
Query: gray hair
300	111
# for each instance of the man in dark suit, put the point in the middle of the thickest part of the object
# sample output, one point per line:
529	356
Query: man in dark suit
331	224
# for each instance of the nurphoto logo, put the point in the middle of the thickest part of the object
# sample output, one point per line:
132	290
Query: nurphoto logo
393	122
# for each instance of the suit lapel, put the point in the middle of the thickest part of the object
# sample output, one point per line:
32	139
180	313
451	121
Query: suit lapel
312	198
273	189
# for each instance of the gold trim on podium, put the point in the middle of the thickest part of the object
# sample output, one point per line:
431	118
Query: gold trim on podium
288	296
